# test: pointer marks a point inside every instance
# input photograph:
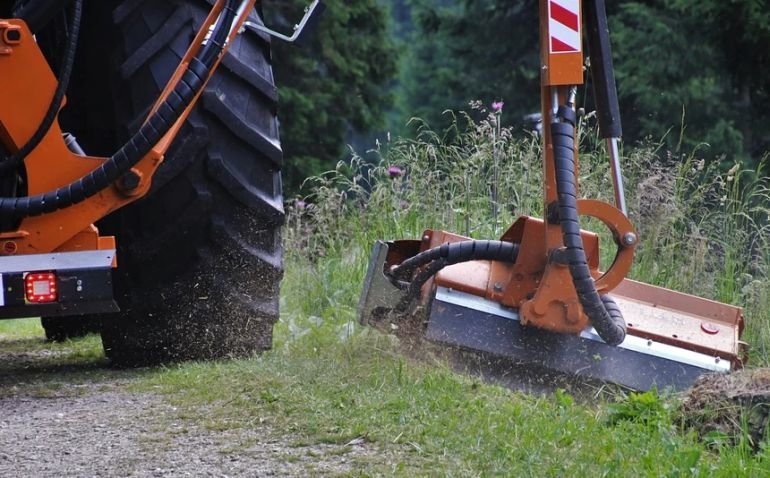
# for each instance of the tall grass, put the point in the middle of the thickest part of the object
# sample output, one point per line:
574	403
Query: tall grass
702	230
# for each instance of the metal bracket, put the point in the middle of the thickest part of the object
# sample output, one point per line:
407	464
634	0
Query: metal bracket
379	292
312	15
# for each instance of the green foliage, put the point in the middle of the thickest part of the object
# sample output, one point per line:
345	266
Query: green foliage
700	63
468	50
335	84
646	407
707	69
741	28
661	84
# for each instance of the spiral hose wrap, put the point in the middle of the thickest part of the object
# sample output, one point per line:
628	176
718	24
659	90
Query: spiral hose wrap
604	314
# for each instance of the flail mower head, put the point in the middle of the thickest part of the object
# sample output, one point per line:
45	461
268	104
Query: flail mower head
672	338
537	296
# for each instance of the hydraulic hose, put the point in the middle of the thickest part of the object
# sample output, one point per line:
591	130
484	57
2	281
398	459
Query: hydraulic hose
12	162
435	259
604	314
456	252
142	142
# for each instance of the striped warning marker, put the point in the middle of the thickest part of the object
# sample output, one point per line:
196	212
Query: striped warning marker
564	26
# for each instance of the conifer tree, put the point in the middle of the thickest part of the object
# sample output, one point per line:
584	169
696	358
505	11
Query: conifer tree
336	83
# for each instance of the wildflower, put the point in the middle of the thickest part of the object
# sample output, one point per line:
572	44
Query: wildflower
395	171
497	106
300	204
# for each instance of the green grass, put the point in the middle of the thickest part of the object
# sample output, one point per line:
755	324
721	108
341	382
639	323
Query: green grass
21	329
26	336
425	420
30	365
417	417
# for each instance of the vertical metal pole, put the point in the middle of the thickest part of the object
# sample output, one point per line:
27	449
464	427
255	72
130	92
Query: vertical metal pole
617	175
607	105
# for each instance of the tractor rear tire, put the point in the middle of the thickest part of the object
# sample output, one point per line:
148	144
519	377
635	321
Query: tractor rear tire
200	257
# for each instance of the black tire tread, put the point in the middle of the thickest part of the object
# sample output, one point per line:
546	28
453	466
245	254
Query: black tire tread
200	257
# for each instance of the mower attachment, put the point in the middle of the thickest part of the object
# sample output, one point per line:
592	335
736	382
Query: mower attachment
536	297
665	346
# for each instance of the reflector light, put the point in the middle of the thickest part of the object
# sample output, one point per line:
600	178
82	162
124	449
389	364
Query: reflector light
40	287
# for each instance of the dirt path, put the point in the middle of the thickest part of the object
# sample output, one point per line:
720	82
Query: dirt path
119	434
82	421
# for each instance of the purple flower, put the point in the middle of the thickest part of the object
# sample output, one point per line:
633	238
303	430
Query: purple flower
395	171
497	106
300	204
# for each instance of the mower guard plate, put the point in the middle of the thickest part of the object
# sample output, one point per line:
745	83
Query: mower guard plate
473	323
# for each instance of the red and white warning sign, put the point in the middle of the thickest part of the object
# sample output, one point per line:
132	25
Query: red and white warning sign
564	26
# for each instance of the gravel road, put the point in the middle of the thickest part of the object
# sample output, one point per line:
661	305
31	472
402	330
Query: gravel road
55	422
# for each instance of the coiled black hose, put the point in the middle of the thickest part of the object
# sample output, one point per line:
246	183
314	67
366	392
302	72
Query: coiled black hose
604	314
462	251
12	162
433	260
142	142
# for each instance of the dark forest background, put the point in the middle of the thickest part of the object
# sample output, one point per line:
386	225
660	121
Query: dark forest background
690	73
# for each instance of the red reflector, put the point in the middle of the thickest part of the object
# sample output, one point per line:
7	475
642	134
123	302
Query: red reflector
40	287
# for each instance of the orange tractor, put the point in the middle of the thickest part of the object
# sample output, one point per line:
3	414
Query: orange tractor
175	103
536	296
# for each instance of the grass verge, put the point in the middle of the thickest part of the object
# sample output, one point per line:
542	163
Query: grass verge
385	415
421	419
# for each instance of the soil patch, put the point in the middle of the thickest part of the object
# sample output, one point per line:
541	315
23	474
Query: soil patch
723	406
